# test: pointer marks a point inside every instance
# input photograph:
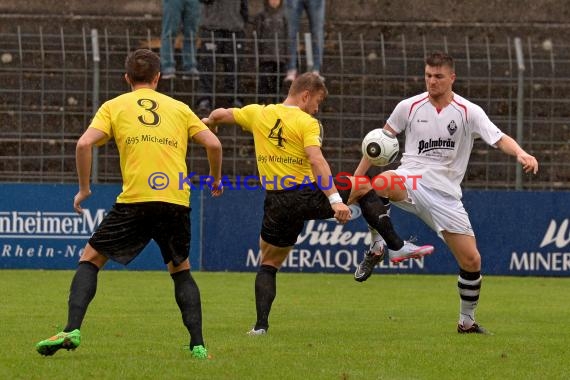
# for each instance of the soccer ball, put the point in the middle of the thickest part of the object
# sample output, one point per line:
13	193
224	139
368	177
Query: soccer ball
380	147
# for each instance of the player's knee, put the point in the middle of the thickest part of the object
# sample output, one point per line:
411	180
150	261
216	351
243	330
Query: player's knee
470	262
390	185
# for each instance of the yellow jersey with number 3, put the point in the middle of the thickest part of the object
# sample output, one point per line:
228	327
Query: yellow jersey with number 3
151	131
280	134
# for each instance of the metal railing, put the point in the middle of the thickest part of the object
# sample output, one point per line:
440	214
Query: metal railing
52	81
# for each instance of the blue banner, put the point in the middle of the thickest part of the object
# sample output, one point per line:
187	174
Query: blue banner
39	228
518	233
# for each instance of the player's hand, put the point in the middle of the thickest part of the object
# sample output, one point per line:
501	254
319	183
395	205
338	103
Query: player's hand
528	162
80	197
213	127
217	188
341	212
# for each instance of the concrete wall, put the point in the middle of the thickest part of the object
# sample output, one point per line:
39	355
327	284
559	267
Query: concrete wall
448	11
455	11
82	7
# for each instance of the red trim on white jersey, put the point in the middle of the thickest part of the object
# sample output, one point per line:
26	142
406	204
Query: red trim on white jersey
462	106
416	103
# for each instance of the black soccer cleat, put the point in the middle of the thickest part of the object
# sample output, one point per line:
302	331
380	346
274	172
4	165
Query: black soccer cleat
474	329
366	266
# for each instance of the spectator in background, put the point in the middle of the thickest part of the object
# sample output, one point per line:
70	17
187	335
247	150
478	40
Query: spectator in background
173	13
221	21
316	14
271	24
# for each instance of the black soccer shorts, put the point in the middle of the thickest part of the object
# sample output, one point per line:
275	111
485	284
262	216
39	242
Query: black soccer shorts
285	212
129	227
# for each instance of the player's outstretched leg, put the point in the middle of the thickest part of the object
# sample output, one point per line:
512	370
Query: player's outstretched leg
376	214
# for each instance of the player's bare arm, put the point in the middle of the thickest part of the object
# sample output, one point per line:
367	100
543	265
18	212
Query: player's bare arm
83	160
389	129
509	146
322	170
214	152
363	167
219	116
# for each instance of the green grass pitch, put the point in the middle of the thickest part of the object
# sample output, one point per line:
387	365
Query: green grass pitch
323	326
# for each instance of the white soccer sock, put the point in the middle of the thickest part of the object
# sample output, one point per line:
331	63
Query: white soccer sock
469	298
377	242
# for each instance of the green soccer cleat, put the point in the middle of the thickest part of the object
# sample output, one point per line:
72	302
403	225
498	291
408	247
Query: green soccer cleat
68	340
200	352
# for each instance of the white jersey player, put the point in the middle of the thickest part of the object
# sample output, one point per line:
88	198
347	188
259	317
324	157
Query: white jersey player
440	128
439	140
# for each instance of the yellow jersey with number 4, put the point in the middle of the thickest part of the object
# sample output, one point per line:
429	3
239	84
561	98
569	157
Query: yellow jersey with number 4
280	134
151	131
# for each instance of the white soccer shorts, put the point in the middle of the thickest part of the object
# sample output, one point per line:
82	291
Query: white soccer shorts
440	211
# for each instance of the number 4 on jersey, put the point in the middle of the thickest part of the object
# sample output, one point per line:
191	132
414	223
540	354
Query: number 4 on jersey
276	133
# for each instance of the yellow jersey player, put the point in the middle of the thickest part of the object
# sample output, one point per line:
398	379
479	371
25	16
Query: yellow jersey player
298	182
151	131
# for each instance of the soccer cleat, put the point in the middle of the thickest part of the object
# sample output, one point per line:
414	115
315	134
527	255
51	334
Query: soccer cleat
254	332
366	266
67	340
200	352
409	251
474	329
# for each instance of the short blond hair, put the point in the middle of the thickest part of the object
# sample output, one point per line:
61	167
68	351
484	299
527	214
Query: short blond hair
311	82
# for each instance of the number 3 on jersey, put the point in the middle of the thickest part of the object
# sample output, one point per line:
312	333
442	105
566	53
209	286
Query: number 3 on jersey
150	118
276	133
